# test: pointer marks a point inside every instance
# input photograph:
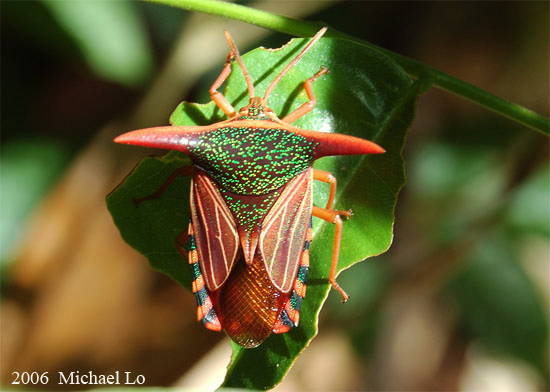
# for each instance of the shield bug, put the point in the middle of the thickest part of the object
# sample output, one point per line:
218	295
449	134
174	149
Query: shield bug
251	206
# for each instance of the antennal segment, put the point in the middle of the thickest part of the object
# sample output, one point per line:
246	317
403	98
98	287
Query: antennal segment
312	42
235	51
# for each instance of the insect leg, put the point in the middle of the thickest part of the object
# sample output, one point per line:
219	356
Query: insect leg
205	308
218	98
182	171
324	176
332	216
310	104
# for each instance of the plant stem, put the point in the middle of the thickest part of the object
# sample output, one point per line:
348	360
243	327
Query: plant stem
415	68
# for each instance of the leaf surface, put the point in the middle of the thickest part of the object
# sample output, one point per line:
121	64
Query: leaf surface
366	95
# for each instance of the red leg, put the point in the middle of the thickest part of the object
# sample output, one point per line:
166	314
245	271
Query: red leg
324	176
310	104
218	98
332	216
182	171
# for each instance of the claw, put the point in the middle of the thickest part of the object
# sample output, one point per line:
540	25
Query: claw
345	213
322	71
337	287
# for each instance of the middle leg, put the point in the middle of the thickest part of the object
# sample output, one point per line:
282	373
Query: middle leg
327	177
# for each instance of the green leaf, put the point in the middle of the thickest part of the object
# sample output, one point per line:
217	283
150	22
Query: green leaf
109	35
152	227
365	94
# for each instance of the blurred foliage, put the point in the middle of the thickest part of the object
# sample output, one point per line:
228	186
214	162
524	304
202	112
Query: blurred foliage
110	36
41	126
529	210
28	168
499	304
367	284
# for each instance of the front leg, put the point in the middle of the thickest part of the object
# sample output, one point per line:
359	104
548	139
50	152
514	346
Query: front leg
182	171
218	98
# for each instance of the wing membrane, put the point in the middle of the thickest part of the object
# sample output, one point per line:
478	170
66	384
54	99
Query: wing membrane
284	231
215	231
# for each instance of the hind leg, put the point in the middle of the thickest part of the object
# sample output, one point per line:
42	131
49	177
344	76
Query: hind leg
333	217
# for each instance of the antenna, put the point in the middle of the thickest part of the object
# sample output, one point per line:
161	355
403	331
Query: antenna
235	51
312	42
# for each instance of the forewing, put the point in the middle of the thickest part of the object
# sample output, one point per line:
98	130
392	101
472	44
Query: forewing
215	231
284	231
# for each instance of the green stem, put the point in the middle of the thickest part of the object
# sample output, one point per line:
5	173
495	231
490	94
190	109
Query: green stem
415	68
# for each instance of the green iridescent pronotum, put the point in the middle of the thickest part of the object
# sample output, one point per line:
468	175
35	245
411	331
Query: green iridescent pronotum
251	206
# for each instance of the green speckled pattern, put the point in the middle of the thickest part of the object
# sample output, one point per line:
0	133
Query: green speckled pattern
252	161
249	211
251	166
263	118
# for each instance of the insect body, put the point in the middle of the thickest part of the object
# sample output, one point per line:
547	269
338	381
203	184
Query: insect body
251	207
